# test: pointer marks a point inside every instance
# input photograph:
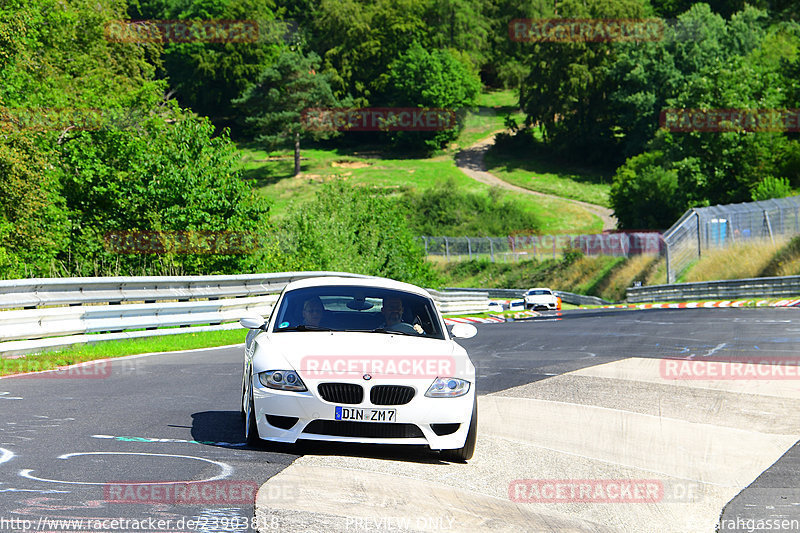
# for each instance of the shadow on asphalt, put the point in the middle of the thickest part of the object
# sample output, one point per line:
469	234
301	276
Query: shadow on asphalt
218	427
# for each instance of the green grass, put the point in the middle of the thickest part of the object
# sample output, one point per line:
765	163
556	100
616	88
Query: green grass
501	98
488	117
538	174
105	349
482	123
271	174
273	179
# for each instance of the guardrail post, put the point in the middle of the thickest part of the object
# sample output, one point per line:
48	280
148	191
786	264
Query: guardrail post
469	247
447	248
666	256
769	226
699	235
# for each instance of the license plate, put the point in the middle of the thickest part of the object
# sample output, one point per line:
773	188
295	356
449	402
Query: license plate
366	415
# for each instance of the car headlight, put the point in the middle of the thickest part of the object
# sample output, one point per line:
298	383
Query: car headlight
282	380
447	388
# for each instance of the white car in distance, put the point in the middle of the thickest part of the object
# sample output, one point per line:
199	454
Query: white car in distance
360	360
542	299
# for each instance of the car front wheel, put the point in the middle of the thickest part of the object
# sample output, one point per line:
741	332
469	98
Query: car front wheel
465	453
250	426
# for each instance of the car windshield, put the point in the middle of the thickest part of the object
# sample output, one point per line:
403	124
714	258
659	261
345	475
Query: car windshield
539	292
357	308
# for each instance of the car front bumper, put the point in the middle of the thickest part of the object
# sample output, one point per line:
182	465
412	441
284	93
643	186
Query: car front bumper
421	412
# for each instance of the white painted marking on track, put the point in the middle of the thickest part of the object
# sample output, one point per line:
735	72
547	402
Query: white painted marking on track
717	348
5	455
4	397
37	491
227	469
155	439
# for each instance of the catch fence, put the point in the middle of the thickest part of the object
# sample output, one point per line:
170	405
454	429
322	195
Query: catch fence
522	246
719	226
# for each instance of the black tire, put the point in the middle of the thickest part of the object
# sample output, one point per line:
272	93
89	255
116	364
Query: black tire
241	403
252	435
465	453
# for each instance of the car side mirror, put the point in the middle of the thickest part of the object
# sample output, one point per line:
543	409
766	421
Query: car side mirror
252	322
463	331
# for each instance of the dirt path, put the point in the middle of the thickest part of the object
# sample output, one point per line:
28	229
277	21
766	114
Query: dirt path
470	161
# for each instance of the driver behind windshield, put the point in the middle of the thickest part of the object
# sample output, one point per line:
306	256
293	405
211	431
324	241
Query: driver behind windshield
392	311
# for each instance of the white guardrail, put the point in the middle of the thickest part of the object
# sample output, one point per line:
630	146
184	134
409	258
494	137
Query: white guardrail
37	314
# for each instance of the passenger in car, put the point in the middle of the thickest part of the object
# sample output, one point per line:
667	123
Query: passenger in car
313	311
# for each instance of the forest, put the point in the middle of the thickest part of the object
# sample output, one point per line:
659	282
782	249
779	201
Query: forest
108	125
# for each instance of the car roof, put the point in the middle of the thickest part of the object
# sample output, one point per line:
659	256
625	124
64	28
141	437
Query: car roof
540	289
372	281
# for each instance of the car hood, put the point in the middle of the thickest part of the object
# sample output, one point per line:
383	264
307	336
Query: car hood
326	355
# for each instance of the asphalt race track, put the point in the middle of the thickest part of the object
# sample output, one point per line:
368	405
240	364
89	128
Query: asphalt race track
571	398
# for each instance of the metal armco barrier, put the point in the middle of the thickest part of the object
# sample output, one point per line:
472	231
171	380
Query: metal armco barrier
567	297
460	302
48	313
723	289
493	293
580	299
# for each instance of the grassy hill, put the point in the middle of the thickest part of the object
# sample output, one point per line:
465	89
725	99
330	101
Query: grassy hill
388	173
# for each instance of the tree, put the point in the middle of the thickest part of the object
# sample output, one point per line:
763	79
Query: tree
567	90
207	76
275	103
460	25
357	39
164	176
419	78
643	193
32	215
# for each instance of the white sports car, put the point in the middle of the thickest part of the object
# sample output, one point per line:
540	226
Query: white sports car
542	299
363	360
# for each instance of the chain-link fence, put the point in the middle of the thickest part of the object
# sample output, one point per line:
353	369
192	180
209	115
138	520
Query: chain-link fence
718	226
530	246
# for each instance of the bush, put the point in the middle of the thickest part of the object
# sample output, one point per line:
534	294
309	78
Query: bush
771	187
346	229
444	209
